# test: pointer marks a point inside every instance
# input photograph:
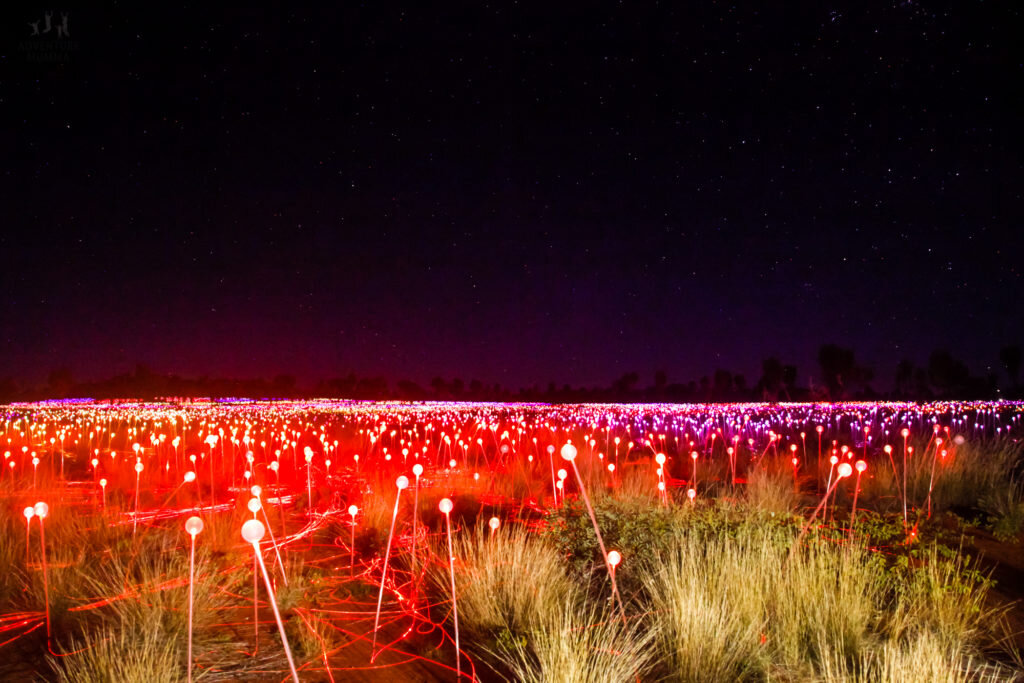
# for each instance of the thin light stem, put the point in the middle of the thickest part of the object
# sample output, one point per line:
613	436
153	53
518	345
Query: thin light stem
191	581
600	541
384	573
277	614
455	606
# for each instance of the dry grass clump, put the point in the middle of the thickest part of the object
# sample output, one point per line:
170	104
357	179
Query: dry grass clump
506	583
771	489
571	644
707	617
924	657
744	606
969	471
121	654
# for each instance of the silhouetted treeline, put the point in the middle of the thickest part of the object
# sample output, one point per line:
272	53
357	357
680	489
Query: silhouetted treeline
837	376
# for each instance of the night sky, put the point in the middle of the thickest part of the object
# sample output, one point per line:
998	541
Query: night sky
514	193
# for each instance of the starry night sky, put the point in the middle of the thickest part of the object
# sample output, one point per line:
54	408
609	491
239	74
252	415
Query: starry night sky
510	192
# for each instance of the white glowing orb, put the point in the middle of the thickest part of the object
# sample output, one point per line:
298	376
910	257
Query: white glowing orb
252	531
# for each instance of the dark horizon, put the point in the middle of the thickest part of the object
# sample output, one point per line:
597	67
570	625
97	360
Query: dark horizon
519	195
840	377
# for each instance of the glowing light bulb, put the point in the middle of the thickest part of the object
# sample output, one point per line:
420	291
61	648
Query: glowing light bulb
252	531
402	482
194	526
445	506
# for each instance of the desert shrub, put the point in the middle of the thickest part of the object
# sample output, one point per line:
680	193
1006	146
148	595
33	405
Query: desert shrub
574	644
771	489
1004	507
122	654
506	583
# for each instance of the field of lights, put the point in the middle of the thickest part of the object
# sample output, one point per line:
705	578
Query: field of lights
352	541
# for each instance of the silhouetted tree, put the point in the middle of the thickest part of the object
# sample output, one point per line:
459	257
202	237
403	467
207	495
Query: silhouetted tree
60	383
771	378
283	385
905	377
660	381
1010	357
623	386
946	374
837	365
410	390
788	380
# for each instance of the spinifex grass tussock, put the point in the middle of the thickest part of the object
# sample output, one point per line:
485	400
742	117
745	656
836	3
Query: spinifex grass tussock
945	594
1004	507
771	489
822	597
961	475
118	653
506	582
147	592
708	607
922	657
579	644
